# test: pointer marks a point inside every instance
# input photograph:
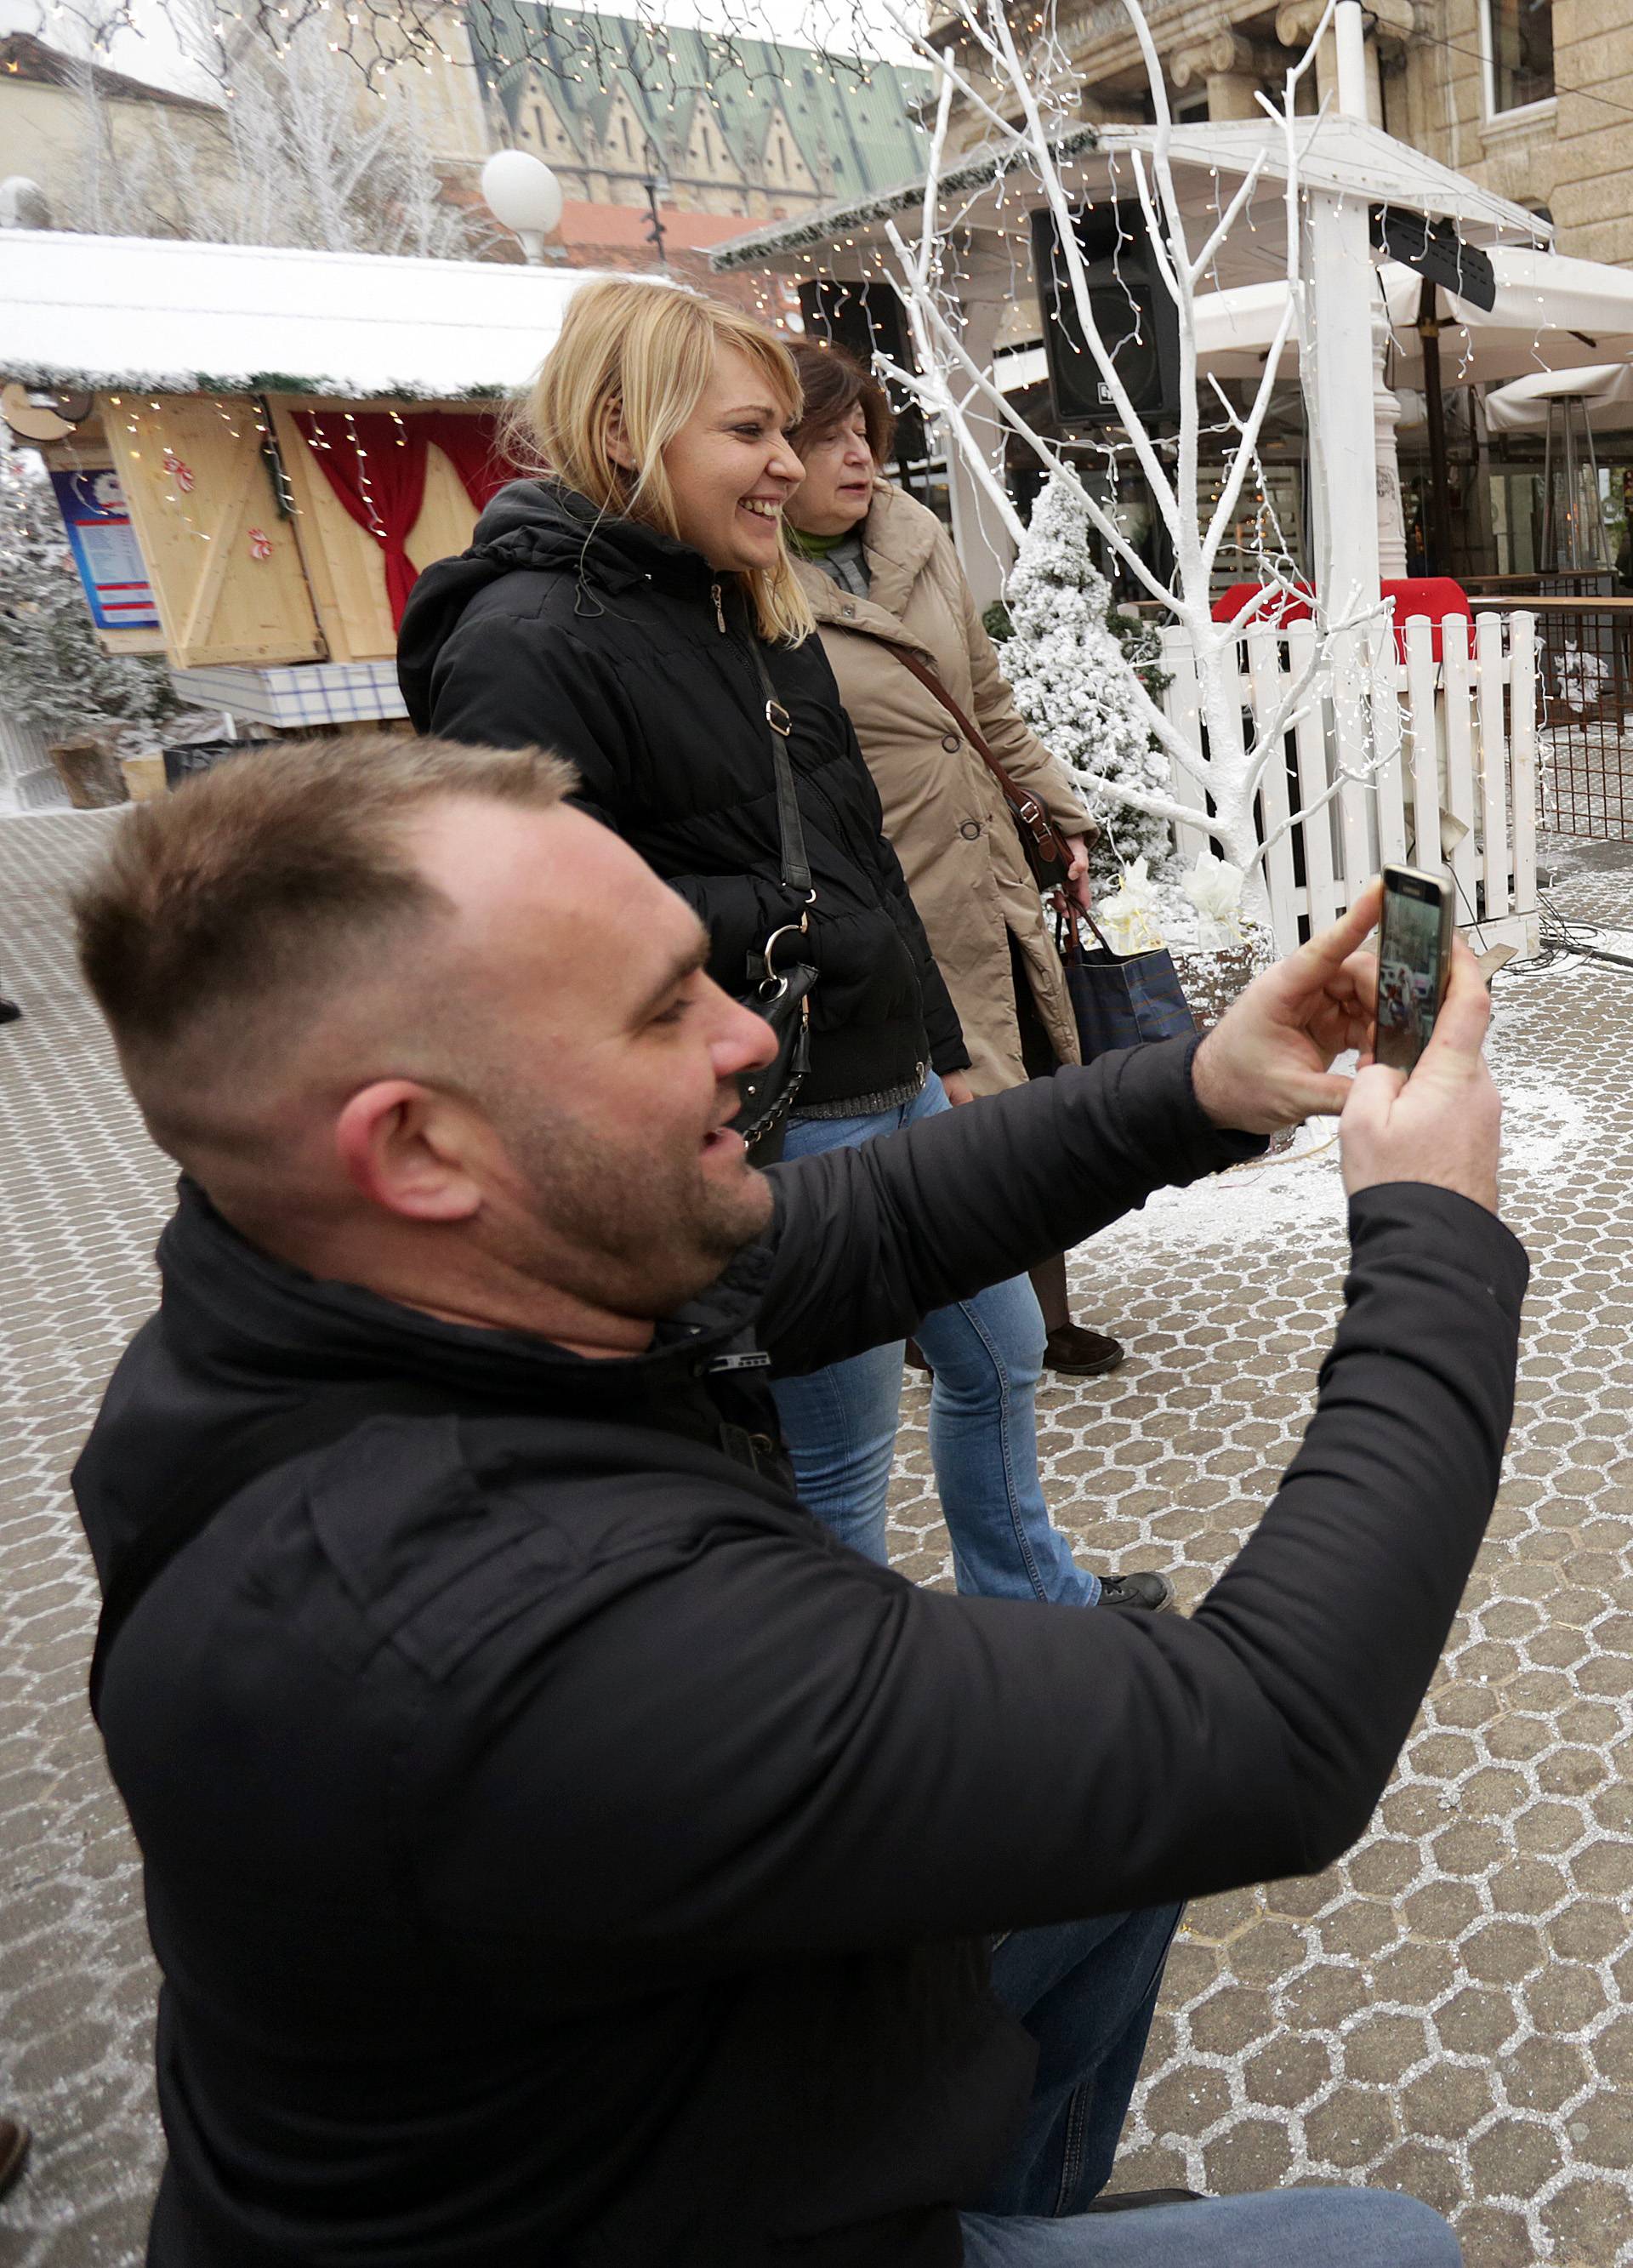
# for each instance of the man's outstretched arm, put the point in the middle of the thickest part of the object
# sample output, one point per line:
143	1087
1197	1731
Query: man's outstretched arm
816	1754
867	1242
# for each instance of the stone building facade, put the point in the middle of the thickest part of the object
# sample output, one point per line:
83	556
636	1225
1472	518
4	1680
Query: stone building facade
737	127
1533	99
61	117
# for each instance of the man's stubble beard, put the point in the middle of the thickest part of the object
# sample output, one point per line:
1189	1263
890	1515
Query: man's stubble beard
626	1228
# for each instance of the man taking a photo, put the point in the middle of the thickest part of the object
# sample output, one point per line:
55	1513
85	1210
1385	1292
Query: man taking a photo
557	1848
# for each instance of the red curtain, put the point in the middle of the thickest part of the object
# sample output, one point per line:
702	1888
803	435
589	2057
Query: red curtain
472	446
375	463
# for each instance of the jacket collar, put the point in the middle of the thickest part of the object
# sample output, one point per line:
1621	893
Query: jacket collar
229	1308
898	537
545	524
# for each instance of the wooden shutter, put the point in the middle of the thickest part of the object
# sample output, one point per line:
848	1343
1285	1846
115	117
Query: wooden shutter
223	562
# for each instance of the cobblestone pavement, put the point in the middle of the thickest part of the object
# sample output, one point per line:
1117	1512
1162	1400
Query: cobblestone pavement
1451	2011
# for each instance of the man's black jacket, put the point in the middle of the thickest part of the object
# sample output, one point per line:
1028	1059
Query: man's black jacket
626	652
559	1850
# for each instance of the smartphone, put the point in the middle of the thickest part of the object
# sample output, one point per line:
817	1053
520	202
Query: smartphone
1413	962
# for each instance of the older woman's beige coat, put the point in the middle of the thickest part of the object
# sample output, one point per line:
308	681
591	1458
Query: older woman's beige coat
943	810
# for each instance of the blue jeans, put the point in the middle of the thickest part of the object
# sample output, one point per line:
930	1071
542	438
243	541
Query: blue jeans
987	1354
1086	1991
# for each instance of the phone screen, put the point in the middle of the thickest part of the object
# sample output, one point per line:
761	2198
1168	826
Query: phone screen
1411	965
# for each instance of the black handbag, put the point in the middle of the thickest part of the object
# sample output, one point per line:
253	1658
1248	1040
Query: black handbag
781	997
1119	1000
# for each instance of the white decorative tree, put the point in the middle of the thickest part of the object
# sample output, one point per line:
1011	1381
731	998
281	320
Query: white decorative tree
1074	683
1028	102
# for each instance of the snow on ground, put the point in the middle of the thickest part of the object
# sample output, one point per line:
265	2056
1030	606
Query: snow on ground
1301	1191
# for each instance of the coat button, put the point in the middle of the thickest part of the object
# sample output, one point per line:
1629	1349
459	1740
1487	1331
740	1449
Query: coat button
952	743
971	828
848	611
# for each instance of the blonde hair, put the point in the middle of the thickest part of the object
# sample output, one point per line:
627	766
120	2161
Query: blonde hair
648	350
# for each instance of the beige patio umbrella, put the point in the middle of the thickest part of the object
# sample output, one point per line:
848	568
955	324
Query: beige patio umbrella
1551	313
1604	392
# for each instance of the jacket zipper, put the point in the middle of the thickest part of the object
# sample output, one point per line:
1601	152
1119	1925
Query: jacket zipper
714	592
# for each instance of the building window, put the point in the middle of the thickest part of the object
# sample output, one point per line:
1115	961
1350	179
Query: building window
1519	52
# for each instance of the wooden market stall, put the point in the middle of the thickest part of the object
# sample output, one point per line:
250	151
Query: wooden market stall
291	437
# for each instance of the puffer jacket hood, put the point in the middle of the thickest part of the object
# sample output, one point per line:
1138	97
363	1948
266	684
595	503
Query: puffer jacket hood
545	526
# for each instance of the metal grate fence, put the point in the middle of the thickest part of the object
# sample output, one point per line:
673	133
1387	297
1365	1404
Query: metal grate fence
1585	711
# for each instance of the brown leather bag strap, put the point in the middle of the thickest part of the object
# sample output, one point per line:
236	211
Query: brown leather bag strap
1028	813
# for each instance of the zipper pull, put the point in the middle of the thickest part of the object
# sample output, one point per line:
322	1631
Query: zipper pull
714	592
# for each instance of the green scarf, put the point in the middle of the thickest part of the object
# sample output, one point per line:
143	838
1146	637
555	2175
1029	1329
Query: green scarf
817	546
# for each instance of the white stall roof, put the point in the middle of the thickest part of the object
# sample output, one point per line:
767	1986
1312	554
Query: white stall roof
114	313
1338	155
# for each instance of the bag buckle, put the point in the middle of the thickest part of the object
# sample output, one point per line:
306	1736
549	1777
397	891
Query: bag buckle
778	718
1033	818
774	984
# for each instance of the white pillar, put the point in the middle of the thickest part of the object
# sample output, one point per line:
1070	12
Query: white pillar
1349	40
1385	418
1335	372
982	541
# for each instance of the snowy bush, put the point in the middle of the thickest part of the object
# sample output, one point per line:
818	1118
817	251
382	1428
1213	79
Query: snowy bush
53	674
1073	682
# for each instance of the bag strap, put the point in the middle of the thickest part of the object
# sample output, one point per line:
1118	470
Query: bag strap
1028	812
796	867
254	1450
1068	914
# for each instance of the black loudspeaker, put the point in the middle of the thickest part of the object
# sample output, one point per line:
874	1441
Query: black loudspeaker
869	318
1134	313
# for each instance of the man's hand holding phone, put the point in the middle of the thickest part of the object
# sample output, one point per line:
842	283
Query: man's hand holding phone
1268	1064
1444	1124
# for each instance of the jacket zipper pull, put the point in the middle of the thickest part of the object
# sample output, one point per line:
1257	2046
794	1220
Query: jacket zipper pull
714	592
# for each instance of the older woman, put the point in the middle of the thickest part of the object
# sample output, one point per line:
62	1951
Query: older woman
884	582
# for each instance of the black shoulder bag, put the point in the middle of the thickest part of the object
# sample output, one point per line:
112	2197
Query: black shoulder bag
781	996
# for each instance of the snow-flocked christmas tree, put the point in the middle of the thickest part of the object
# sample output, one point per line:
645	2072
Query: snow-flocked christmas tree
1074	683
53	674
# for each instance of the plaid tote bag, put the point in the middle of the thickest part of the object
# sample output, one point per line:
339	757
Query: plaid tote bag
1120	998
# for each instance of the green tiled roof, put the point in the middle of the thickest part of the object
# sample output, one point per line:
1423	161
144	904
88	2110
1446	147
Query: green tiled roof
850	116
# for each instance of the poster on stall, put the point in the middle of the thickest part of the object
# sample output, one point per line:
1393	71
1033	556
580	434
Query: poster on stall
104	545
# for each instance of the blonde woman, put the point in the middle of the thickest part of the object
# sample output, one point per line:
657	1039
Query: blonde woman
613	610
619	610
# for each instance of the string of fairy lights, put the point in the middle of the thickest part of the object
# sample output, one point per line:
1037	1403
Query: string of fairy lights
149	432
501	39
496	37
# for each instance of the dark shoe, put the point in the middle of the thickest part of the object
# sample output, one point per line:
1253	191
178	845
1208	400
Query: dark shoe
1146	1593
8	1012
14	2140
1079	1353
1136	2200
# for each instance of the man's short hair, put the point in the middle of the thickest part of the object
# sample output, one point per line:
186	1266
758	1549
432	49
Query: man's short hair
273	875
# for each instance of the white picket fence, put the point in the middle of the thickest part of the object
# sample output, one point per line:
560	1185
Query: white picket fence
29	780
1456	737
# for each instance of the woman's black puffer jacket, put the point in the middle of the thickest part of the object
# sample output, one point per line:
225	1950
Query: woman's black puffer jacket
624	651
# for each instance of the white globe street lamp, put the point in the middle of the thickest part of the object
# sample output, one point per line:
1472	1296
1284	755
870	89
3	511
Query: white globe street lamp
524	195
